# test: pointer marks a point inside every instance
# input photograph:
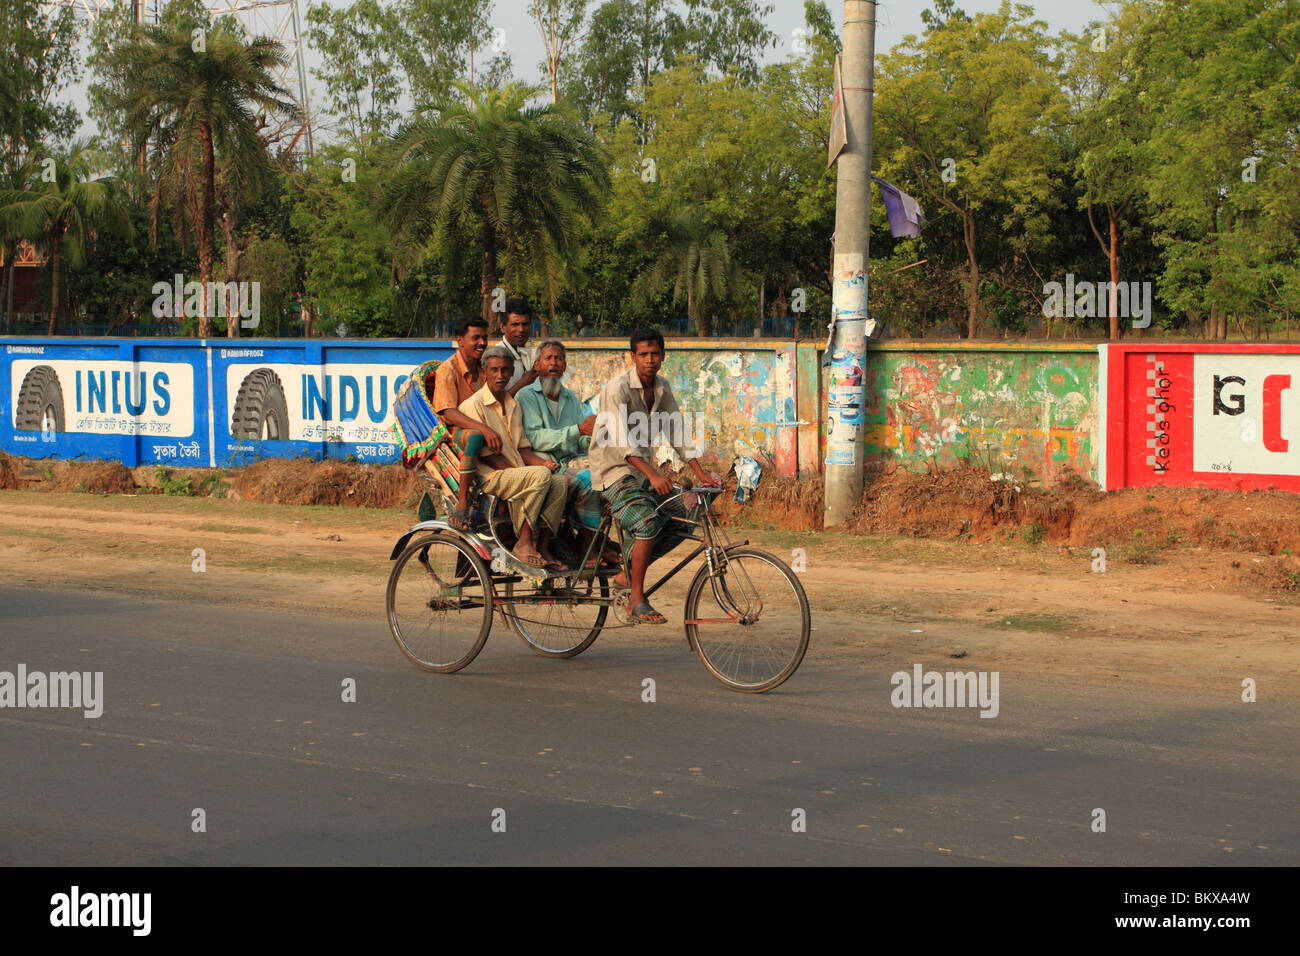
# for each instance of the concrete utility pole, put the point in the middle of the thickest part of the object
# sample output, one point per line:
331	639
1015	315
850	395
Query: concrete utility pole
846	353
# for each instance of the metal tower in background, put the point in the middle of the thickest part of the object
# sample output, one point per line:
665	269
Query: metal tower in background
278	19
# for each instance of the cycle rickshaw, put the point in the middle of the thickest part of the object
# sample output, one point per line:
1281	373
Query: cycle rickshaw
746	614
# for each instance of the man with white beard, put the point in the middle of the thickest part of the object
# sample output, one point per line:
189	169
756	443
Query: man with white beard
557	429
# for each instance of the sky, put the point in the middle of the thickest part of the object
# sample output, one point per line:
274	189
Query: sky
896	19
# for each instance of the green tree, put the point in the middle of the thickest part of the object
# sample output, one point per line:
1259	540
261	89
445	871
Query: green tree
15	181
38	49
626	44
599	78
697	263
115	284
1109	127
729	35
271	262
192	91
437	43
63	212
821	24
513	173
747	158
966	114
1224	181
358	67
560	24
348	255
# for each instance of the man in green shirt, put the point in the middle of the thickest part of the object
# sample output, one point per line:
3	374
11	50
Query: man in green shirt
558	429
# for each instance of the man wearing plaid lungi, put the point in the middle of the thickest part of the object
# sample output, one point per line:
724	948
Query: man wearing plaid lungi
622	464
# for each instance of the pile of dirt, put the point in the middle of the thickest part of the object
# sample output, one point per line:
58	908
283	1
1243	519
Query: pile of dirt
95	477
964	502
787	504
1261	521
969	503
304	482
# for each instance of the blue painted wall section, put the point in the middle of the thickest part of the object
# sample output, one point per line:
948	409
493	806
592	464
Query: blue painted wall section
162	401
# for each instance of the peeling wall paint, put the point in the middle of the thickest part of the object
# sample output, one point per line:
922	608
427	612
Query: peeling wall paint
1027	411
1024	411
741	393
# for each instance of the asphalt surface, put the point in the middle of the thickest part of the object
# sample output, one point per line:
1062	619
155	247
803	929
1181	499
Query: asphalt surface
240	713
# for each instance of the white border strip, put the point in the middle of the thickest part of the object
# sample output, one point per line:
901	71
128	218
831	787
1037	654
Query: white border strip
212	410
1103	413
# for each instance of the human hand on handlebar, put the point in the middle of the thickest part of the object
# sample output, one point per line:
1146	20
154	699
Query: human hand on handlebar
660	484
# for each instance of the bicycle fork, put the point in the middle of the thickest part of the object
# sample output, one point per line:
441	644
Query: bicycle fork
718	582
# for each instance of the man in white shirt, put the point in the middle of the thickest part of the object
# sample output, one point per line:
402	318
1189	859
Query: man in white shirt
528	482
622	459
516	328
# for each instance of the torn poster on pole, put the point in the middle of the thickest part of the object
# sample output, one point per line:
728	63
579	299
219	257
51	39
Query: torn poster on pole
845	360
839	139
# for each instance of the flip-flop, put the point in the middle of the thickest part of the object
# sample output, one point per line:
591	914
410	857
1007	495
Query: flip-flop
539	563
460	520
645	614
556	565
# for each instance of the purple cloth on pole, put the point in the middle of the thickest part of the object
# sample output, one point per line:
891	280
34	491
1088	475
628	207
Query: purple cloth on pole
904	212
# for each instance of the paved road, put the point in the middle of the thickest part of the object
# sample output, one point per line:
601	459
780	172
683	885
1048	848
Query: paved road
241	714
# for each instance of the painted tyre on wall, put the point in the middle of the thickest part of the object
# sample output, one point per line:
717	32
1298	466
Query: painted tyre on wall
40	402
260	408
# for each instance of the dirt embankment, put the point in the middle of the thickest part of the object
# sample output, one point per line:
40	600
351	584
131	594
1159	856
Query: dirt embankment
963	504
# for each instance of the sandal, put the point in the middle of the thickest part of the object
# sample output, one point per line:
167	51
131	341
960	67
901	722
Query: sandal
458	519
537	560
557	566
602	562
645	614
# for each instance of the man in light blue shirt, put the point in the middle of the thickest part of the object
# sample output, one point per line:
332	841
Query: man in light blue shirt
557	428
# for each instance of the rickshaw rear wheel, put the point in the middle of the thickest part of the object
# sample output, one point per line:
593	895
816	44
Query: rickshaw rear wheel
439	602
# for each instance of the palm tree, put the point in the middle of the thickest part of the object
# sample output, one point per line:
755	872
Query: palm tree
516	175
15	180
64	210
191	105
698	263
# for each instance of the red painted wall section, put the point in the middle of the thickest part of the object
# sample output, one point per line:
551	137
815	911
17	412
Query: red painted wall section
1216	416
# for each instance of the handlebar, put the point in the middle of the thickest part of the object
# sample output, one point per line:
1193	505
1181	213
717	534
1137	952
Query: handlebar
688	485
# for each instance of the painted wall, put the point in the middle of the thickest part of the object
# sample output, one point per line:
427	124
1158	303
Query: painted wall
1019	410
1036	410
170	401
740	393
178	401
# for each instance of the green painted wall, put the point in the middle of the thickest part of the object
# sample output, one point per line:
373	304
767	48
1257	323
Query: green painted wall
1028	411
